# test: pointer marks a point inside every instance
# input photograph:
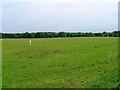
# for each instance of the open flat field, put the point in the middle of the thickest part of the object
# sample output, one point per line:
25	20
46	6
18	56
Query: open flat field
0	63
60	63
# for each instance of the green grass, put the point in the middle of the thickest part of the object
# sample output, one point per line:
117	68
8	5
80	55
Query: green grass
60	63
0	63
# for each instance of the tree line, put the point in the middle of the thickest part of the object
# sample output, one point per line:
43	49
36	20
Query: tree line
59	34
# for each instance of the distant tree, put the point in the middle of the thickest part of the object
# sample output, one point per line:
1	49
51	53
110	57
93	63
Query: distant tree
68	34
104	34
97	34
82	34
0	35
49	35
37	35
54	34
16	36
115	34
61	34
78	34
118	33
42	35
25	35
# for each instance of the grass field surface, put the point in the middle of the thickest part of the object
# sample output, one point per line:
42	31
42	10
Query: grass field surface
0	63
60	63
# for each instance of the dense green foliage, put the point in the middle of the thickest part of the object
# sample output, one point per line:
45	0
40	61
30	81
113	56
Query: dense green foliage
60	63
60	34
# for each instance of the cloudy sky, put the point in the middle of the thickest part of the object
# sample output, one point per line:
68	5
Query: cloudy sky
59	15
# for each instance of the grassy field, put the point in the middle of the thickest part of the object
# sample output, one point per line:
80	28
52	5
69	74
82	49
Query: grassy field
60	63
0	63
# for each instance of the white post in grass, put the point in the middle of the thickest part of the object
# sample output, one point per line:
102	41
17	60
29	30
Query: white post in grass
30	42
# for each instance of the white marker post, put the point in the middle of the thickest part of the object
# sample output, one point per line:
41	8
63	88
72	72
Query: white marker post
30	42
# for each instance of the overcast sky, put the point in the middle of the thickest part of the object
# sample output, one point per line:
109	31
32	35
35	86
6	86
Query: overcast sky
59	15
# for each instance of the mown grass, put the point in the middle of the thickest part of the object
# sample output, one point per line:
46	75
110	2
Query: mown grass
60	63
0	63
